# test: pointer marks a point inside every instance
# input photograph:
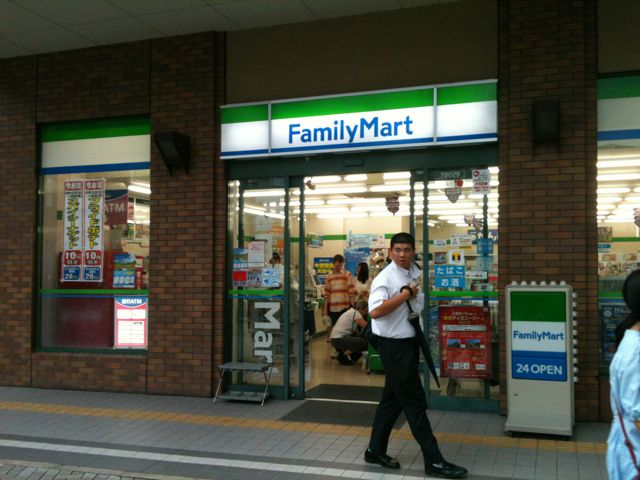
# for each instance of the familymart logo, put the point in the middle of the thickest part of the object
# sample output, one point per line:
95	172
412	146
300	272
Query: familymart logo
364	128
457	113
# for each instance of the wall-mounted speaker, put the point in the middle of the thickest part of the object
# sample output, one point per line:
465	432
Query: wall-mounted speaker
546	121
175	149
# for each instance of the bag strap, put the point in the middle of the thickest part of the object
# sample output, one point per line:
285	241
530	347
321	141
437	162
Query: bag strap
627	441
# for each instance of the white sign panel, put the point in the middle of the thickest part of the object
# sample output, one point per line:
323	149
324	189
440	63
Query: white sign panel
481	181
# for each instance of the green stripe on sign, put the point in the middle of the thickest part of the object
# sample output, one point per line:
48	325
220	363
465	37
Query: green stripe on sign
88	129
353	104
538	307
618	87
249	113
481	92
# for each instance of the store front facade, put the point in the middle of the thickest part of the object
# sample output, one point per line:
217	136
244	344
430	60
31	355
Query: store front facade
189	227
385	168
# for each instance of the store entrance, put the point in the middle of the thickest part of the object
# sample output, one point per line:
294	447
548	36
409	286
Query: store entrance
286	234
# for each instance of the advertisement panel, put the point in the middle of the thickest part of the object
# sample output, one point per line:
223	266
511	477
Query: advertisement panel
83	231
131	315
465	341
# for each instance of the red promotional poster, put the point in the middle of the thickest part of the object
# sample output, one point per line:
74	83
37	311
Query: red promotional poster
465	342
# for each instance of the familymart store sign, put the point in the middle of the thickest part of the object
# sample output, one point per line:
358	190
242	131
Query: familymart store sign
445	114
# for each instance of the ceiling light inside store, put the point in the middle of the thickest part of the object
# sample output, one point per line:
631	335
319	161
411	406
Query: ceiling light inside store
356	201
341	215
607	190
400	213
617	177
357	177
263	193
324	179
396	175
139	189
631	162
307	203
333	190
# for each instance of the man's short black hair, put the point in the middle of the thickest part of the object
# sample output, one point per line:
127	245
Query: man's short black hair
403	237
338	258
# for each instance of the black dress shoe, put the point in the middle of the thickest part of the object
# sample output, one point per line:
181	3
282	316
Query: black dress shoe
446	470
381	459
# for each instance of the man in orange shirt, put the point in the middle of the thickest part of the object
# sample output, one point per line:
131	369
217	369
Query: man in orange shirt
339	292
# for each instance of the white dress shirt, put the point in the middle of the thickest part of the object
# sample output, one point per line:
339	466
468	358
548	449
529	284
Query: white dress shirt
387	284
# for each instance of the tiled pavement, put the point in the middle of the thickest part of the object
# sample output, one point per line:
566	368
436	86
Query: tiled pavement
55	435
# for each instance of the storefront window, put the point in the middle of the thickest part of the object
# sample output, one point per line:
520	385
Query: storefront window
94	241
618	201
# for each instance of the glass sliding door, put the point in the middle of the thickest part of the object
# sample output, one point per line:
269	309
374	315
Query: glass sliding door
461	286
294	261
258	297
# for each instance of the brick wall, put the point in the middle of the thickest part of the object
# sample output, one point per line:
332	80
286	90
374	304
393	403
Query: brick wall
17	218
104	373
177	82
548	230
183	83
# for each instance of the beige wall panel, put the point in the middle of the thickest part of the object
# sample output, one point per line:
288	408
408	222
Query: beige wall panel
441	43
618	36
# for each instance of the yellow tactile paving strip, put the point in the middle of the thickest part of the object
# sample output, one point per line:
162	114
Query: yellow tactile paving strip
495	441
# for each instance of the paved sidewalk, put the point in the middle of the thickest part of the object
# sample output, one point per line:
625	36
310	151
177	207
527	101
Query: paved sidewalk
56	434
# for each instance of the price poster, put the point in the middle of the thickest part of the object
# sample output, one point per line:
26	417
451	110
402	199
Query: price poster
83	235
93	230
72	249
465	342
323	267
130	321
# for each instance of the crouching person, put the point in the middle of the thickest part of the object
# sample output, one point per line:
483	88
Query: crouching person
346	336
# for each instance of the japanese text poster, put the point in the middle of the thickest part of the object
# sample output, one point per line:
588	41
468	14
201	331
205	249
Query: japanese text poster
465	342
130	322
83	236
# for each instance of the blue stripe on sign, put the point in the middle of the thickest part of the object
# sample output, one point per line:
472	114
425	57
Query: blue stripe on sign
619	134
532	353
261	151
476	136
354	145
549	368
109	167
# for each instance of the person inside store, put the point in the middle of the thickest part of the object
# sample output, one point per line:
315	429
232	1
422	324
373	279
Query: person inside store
393	292
276	262
623	451
346	336
362	281
339	292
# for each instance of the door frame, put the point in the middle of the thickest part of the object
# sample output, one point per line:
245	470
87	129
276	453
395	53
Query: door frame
257	171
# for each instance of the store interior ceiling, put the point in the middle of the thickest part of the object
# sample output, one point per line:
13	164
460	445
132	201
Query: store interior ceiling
29	27
618	183
366	195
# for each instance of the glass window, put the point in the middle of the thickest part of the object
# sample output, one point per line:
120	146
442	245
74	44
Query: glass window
618	197
94	235
618	236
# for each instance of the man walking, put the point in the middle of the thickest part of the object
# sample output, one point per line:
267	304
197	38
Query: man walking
394	287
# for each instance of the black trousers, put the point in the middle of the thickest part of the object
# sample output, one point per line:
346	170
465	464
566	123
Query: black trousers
403	392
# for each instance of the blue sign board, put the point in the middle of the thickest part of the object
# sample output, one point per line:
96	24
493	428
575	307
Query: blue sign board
484	246
449	276
551	366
